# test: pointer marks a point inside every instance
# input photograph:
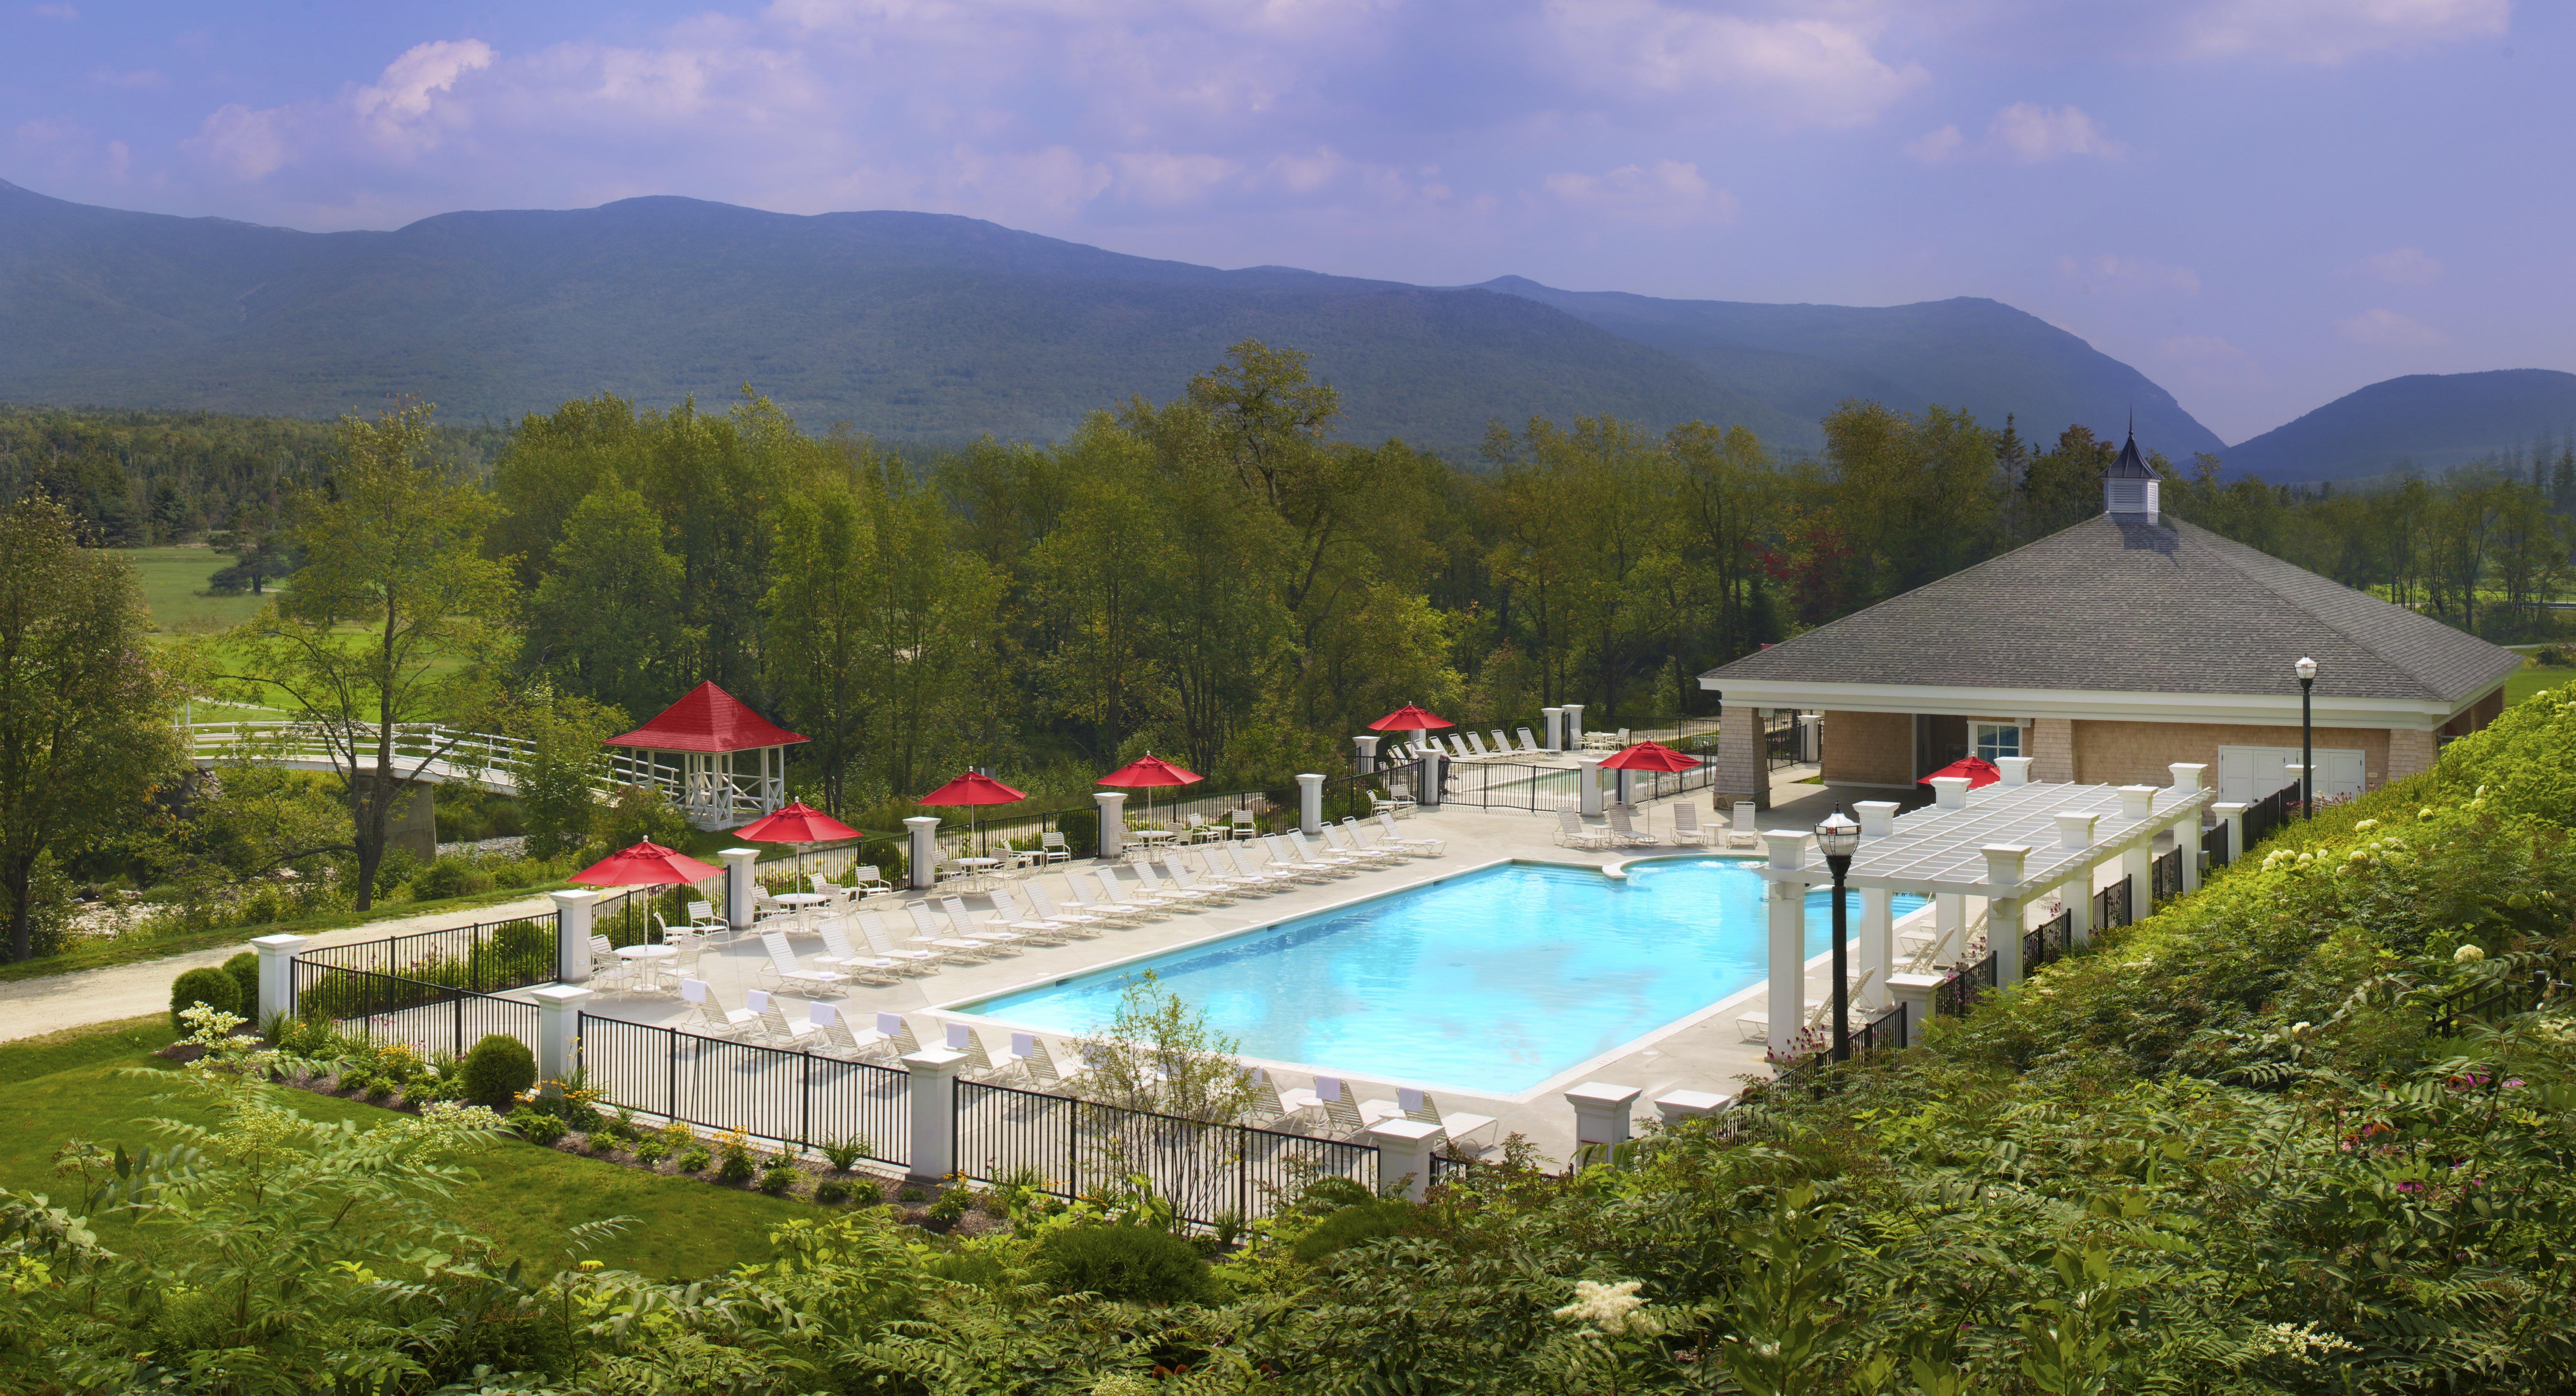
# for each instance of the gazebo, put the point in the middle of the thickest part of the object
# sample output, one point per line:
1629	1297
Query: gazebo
710	731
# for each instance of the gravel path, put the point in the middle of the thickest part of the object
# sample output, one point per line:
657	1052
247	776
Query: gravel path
32	1006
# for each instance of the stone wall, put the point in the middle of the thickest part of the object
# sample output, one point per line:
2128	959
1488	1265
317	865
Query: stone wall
1740	773
2136	753
1869	749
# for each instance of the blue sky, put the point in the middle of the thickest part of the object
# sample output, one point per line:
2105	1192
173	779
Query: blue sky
2262	204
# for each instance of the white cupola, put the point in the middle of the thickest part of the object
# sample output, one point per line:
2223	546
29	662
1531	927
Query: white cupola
2129	488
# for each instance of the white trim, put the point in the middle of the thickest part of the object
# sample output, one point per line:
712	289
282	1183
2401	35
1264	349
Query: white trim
2235	709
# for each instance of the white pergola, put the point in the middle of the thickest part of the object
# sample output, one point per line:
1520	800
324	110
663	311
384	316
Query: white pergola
2011	844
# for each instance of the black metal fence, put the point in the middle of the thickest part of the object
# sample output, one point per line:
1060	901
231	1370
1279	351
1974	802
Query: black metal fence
2269	813
1884	1033
2111	905
1963	986
2517	995
2048	943
390	1008
1655	785
2214	847
1510	785
2165	878
1071	1147
1793	743
768	1093
485	958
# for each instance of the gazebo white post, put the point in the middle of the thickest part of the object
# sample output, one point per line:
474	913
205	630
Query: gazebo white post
1587	786
921	851
1555	718
1113	821
2003	908
2138	856
2075	830
1788	936
1877	818
1877	941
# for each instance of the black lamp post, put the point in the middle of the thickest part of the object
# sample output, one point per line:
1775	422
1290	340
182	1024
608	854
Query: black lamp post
1839	837
2307	740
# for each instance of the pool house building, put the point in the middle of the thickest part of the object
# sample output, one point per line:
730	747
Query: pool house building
2106	653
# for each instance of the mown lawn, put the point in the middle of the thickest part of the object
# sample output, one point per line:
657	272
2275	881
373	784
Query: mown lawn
172	579
525	1198
2522	683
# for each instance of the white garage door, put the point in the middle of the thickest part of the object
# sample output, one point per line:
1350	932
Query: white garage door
2249	773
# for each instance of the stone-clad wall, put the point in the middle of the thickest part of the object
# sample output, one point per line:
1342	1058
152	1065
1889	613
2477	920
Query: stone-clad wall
1869	748
2137	753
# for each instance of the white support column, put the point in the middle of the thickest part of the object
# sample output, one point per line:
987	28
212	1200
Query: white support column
1601	1113
1950	792
1310	803
2187	840
277	975
1949	924
1677	1106
1877	942
1366	761
742	884
1573	726
1404	1153
2232	815
2003	908
1587	786
558	1027
2137	857
1434	781
1877	818
2079	907
2016	769
1555	718
1915	992
932	1092
921	850
1627	787
572	935
1786	904
1113	820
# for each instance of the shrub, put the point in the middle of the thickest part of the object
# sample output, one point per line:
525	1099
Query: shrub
831	1190
952	1204
244	968
209	986
843	1154
1329	1194
450	876
651	1149
1081	830
642	813
695	1160
909	1193
357	1080
778	1177
865	1192
1123	1262
498	1071
1349	1226
736	1168
536	1126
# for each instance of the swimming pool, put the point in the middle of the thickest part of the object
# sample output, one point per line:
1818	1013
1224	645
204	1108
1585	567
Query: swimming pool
1492	981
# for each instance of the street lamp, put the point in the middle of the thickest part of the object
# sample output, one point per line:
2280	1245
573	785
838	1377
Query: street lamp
2307	739
1839	837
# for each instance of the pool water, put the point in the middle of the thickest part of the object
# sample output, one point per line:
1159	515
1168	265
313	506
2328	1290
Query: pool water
1490	982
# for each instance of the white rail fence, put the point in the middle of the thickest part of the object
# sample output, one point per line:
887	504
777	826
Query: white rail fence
442	754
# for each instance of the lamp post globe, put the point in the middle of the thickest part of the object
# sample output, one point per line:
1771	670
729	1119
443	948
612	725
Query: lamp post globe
1838	837
2307	670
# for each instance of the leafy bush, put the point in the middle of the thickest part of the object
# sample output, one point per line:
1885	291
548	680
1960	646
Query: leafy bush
498	1071
1349	1226
1133	1263
952	1204
651	1149
694	1160
779	1177
450	876
1330	1193
244	968
844	1154
640	814
209	986
536	1126
1081	830
831	1191
735	1168
866	1192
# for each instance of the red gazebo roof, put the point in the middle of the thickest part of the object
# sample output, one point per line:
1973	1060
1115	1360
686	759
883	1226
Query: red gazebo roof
707	719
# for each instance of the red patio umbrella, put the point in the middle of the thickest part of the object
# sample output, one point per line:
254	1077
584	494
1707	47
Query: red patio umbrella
972	789
1149	771
1649	756
800	824
1410	719
1977	769
647	864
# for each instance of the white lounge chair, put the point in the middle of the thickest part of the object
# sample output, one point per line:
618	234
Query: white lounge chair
1419	848
894	1039
962	1038
1574	833
785	972
868	968
1272	878
1461	1127
1038	1064
1343	863
1479	744
1066	922
1502	744
707	1016
1186	880
907	959
1686	825
831	1035
1340	840
927	931
1529	744
1172	891
774	1025
1745	831
1623	831
1133	902
1006	939
1756	1023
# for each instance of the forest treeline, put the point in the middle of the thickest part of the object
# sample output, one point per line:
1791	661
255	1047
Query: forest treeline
1220	579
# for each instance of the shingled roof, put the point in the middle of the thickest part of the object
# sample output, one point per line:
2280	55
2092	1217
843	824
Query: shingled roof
707	719
2120	605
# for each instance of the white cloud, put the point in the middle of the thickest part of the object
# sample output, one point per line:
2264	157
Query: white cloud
420	74
2127	275
2386	329
1669	194
1937	147
2024	132
1163	178
244	143
2405	266
1818	69
2334	31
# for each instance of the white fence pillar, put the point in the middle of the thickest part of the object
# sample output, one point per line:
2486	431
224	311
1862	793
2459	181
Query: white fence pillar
1915	992
2187	843
1601	1112
1366	762
572	935
1786	910
1587	786
1573	726
921	850
1404	1153
742	885
1555	719
1310	803
932	1092
558	1028
1949	923
2232	815
277	976
1113	821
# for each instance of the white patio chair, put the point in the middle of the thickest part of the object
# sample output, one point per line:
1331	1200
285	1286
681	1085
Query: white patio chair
1478	743
962	1038
1343	864
1529	744
907	959
1040	1066
703	1013
1005	940
1502	744
1053	849
1745	831
775	1024
865	880
1242	825
1217	874
1271	879
704	921
1755	1023
832	1033
785	972
1186	878
1622	831
1574	833
1065	922
1285	860
1172	891
608	969
1138	898
1686	826
927	930
894	1039
1419	848
866	967
1081	903
1338	839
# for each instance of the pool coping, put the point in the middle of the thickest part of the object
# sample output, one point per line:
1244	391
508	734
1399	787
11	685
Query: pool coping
1615	871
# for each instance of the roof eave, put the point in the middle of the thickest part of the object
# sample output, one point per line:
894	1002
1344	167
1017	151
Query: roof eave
2251	709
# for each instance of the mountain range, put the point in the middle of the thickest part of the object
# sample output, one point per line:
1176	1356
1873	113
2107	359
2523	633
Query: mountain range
2423	421
933	329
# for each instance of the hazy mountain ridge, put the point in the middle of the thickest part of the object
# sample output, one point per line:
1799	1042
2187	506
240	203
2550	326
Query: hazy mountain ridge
2424	421
932	327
